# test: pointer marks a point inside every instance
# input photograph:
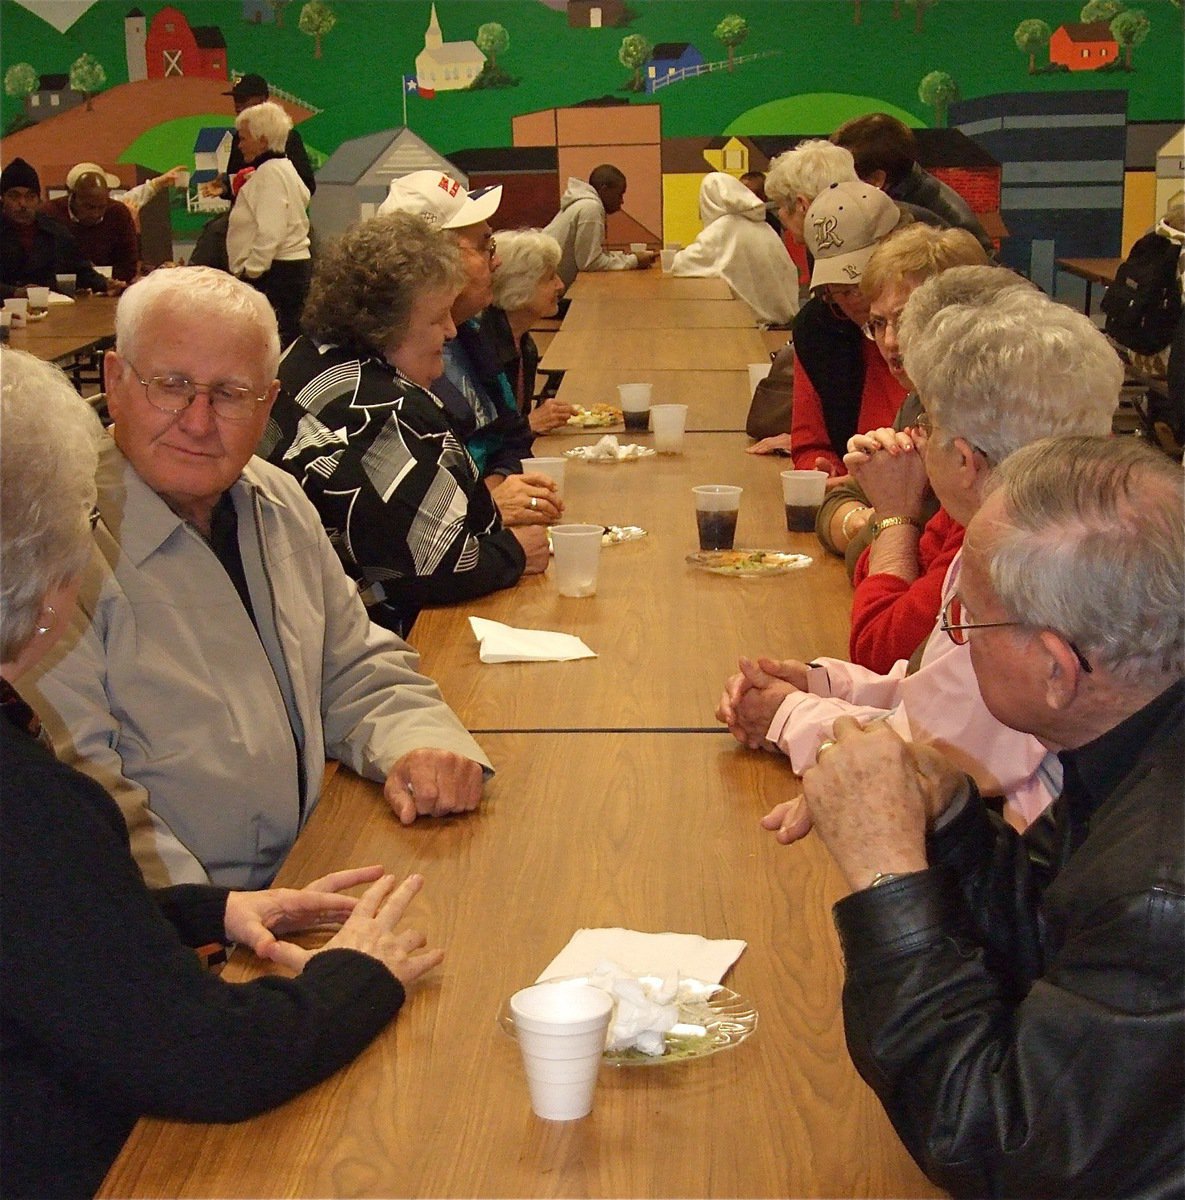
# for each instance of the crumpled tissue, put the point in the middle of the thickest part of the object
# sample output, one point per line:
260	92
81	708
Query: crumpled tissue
609	450
645	1009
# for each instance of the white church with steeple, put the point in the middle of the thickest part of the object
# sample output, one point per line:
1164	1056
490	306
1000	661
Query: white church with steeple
446	66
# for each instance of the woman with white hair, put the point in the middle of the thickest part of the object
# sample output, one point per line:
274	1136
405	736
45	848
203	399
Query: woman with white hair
995	370
527	289
267	236
107	1014
737	245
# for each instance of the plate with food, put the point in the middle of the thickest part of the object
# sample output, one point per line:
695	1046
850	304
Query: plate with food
748	564
711	1018
608	450
597	416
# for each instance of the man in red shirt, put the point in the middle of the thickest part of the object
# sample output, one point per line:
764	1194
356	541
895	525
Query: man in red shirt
104	229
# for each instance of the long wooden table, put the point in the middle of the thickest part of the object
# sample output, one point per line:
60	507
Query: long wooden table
647	831
658	313
69	330
666	634
631	286
656	350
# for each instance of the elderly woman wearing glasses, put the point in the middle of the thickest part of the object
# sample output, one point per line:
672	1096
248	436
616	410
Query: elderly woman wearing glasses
371	444
267	237
899	576
995	370
842	384
106	1014
527	289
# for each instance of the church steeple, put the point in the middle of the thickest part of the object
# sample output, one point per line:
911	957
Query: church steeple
433	38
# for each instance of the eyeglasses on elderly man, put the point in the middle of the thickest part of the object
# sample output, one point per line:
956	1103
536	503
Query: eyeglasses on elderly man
955	624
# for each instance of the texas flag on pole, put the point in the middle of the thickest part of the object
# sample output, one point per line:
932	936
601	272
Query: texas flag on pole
412	88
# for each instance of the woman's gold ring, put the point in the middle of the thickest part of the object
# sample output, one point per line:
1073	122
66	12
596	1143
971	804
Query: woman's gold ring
824	746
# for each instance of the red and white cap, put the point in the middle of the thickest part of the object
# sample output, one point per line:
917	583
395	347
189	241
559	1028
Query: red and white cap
441	200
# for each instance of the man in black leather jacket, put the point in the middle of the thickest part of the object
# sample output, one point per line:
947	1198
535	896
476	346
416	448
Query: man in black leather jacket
1018	1002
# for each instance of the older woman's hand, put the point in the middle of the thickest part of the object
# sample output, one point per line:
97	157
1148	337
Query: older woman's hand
528	499
536	546
893	475
549	415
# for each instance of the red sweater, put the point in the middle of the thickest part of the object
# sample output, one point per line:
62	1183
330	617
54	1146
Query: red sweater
891	618
879	402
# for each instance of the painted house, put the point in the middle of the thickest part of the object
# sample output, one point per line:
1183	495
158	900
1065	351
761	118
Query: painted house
1170	172
595	14
211	153
669	61
685	162
1083	47
354	180
53	95
528	176
446	66
174	49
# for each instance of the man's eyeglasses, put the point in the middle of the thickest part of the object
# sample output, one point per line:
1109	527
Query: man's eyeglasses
174	394
954	624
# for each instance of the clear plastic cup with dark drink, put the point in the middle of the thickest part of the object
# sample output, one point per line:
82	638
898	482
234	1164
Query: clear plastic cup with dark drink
716	508
802	493
635	406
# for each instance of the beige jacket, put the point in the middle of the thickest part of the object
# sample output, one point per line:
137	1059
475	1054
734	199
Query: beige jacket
164	692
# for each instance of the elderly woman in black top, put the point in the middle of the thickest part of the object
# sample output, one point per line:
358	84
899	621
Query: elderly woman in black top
372	447
106	1015
527	289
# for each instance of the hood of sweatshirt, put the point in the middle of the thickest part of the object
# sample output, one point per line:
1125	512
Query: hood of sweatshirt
577	189
721	195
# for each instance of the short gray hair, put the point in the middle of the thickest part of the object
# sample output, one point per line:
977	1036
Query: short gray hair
48	455
367	282
266	121
528	256
209	291
1014	367
808	169
1093	549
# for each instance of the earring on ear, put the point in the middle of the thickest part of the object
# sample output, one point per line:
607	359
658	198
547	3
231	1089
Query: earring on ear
48	615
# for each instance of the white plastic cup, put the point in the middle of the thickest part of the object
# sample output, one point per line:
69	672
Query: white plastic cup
19	307
553	468
668	259
577	550
635	406
668	422
561	1032
104	271
802	493
38	298
638	247
67	284
716	509
757	372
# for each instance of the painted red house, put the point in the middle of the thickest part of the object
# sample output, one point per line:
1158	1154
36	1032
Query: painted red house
1083	47
174	48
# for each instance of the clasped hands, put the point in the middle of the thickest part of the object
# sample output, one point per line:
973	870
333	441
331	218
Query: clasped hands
890	468
531	498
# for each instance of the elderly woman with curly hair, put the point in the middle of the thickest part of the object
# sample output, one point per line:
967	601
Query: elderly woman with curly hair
107	1014
372	447
267	234
527	288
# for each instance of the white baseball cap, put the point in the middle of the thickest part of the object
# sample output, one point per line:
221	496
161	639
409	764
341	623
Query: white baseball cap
843	227
441	200
88	168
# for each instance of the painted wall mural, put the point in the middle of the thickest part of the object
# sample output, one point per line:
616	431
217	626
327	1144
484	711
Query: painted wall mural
1060	122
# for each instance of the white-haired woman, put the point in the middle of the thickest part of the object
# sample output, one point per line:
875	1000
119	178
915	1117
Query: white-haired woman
527	289
106	1015
267	236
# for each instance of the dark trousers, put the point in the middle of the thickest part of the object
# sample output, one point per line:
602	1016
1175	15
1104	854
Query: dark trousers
285	284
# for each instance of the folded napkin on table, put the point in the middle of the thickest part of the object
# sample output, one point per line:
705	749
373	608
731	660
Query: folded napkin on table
503	643
608	447
58	298
647	974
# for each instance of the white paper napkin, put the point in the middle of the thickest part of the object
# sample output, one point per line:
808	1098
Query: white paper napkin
58	298
664	954
503	643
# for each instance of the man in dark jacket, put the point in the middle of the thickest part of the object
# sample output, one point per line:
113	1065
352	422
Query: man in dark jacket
248	91
1018	1002
34	248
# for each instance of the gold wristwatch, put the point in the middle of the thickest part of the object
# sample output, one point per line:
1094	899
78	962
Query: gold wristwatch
888	522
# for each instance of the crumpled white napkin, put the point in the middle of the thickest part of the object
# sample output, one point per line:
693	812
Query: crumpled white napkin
504	643
609	448
644	1009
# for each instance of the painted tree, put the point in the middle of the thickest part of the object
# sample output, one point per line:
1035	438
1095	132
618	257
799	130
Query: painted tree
858	15
316	20
20	80
919	11
938	89
1129	29
1029	37
87	76
1100	10
732	31
635	53
492	40
278	7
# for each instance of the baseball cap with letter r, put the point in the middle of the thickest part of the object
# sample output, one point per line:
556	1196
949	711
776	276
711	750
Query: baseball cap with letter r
843	226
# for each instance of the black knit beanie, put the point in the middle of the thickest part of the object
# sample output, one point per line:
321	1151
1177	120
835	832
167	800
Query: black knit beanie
18	173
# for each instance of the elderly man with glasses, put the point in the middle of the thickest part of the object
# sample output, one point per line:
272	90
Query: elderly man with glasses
995	369
1018	1002
218	652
